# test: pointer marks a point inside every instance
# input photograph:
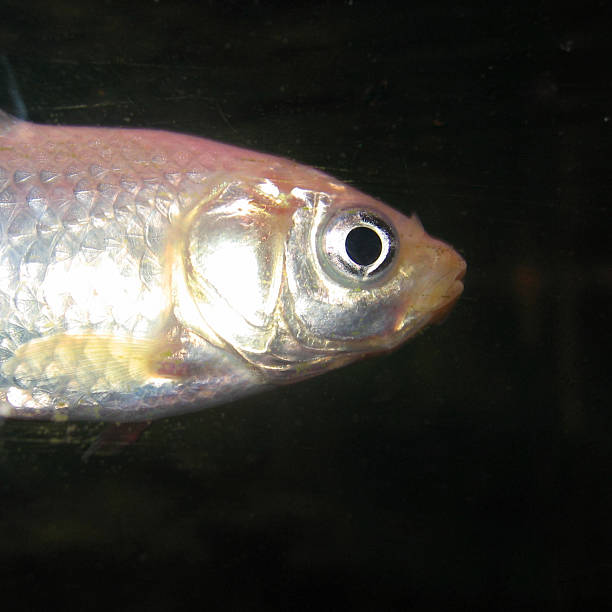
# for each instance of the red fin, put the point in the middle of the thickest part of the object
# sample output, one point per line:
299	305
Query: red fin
114	438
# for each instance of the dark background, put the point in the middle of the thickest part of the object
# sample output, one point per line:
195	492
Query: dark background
469	469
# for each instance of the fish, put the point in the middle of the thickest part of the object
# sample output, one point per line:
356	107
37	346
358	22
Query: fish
148	273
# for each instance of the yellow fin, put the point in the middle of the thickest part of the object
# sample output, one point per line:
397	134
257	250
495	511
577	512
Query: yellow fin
87	362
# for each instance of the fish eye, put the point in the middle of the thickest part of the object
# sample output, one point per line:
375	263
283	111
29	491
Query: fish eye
358	244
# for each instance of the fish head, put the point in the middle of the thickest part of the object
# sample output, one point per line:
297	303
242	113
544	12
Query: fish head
300	273
372	276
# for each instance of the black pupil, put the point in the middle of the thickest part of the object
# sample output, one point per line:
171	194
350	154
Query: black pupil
363	245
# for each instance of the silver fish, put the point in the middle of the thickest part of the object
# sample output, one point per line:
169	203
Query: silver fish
147	273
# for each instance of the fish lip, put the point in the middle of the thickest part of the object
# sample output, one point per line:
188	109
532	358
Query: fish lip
440	314
461	272
412	323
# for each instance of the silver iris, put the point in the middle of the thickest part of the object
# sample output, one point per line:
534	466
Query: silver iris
357	244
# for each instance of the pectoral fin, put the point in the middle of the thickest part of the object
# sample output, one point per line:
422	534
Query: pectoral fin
87	362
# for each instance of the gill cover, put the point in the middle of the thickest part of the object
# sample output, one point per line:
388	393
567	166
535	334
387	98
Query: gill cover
234	263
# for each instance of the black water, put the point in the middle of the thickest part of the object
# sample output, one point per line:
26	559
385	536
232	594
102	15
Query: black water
472	468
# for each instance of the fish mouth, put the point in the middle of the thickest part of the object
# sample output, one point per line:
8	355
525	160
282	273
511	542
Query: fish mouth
439	315
434	304
450	295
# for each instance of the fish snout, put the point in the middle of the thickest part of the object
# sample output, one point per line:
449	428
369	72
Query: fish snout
436	273
447	285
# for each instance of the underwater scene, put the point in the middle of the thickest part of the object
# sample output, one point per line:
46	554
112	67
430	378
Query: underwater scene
305	306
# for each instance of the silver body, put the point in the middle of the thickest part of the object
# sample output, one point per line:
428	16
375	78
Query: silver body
145	273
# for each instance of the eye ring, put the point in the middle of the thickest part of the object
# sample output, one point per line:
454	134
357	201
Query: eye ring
358	244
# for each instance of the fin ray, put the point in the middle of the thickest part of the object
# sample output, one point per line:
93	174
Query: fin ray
85	362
